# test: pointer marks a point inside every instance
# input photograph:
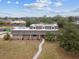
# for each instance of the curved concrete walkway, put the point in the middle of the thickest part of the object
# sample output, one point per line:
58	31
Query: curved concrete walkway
39	50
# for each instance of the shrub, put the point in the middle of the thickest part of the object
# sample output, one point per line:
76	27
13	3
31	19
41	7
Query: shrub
7	37
50	36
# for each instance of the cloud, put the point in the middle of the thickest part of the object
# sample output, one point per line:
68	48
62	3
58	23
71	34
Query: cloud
4	14
44	1
75	10
48	6
39	4
58	4
60	0
17	2
36	5
70	11
8	2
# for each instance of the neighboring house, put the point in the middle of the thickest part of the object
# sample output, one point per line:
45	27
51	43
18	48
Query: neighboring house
35	31
2	29
5	22
13	23
18	23
76	22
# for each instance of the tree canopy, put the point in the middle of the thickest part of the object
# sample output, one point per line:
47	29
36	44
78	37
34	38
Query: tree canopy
69	38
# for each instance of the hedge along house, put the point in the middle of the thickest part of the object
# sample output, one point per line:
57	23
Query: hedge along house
35	31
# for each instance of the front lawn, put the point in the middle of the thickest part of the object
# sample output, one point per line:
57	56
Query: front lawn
51	50
18	49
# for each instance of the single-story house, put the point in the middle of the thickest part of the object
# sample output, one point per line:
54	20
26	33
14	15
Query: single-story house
35	31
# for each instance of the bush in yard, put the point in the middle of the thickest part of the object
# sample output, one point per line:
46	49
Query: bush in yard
50	36
7	37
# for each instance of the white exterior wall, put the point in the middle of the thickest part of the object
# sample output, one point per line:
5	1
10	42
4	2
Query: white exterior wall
43	26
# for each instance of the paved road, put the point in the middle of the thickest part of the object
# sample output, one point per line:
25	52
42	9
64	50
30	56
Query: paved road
39	49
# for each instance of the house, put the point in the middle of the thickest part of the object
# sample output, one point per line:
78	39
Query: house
35	31
18	23
13	23
6	22
76	22
2	29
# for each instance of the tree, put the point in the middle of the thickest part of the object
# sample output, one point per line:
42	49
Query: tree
1	23
49	36
28	23
7	37
69	38
59	20
71	18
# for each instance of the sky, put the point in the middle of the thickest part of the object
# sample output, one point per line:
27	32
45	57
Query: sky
38	8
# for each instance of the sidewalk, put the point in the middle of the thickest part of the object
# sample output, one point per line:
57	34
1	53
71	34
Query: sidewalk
39	49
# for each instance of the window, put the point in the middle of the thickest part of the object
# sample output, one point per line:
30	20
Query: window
38	27
47	27
52	27
56	27
34	35
33	27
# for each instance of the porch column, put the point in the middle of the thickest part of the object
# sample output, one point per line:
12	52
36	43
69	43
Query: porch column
30	36
39	37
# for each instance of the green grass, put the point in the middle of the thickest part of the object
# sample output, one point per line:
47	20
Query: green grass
51	50
18	49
